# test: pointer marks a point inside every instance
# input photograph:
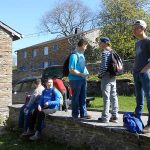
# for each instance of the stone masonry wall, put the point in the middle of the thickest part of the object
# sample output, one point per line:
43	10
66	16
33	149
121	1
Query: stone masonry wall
5	71
53	55
78	133
124	87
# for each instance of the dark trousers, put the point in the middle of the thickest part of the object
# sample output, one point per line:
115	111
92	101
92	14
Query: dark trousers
37	118
65	105
23	121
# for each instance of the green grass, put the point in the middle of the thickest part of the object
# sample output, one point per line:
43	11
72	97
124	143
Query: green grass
126	103
11	141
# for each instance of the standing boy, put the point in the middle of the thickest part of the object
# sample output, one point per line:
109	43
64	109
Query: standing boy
77	78
141	72
108	83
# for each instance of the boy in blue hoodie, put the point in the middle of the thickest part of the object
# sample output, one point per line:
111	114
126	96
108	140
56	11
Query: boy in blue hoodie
49	103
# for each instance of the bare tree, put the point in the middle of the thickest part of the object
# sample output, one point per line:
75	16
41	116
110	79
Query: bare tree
66	16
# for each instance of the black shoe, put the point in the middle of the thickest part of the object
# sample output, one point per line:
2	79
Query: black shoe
101	120
86	117
114	119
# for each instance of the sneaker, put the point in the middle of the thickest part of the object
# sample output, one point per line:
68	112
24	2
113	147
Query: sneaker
113	119
36	136
101	120
27	133
86	117
146	129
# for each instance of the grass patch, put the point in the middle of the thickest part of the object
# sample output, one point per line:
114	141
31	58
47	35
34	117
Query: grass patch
126	103
11	141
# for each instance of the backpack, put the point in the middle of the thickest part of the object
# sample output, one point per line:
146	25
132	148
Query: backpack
116	66
66	65
132	123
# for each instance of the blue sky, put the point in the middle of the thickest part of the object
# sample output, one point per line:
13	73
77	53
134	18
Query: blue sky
24	17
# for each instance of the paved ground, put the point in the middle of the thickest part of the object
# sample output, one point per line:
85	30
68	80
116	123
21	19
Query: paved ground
94	120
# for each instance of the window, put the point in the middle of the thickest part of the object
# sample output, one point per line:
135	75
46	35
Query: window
17	87
54	62
41	65
33	67
49	62
24	54
45	50
23	68
55	47
26	86
34	53
45	64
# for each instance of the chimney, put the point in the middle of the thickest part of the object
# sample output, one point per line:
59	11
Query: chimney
77	30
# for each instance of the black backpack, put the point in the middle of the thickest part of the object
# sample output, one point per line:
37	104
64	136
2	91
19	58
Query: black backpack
116	66
66	65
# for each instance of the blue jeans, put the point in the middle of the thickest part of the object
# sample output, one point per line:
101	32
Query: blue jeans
108	87
142	85
21	117
79	88
24	117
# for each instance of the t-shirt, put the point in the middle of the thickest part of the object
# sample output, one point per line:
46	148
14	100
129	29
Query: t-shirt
142	54
105	61
77	63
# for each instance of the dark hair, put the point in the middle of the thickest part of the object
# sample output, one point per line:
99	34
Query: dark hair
37	81
49	79
82	42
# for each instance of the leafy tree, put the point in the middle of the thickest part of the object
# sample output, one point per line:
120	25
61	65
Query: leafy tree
92	54
116	19
65	17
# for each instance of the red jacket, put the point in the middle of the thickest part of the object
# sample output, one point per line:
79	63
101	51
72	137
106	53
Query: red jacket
58	83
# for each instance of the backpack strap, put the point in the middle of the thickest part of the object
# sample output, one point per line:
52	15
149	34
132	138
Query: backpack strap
76	55
139	123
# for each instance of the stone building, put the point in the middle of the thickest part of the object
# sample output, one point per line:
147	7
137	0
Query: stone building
7	35
49	53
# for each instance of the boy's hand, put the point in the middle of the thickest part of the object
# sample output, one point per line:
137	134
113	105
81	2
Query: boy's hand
39	108
84	75
46	104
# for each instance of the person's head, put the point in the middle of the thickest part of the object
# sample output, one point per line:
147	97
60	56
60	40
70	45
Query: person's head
49	83
82	44
37	82
139	28
104	42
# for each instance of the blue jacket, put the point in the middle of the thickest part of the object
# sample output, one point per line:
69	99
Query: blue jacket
52	96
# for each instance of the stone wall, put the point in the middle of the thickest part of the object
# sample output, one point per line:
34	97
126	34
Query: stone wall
86	133
124	87
5	71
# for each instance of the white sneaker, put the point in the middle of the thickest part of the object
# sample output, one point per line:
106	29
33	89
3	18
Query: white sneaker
36	136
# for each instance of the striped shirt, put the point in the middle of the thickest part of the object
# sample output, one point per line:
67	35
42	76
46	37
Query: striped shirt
105	60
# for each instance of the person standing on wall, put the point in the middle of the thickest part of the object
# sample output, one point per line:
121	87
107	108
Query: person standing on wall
141	71
77	78
108	83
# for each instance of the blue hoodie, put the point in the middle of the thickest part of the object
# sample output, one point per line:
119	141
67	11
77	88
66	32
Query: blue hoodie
52	96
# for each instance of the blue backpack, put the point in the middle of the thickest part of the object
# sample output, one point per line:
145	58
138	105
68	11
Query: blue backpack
132	123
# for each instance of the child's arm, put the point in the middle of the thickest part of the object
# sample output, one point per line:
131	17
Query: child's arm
39	108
